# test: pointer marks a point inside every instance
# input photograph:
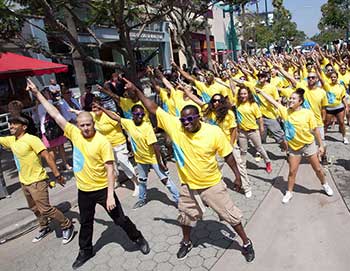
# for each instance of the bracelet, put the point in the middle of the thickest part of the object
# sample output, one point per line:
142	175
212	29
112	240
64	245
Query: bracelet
59	176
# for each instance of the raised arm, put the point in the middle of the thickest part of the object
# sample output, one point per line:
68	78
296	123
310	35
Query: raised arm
183	73
109	113
193	97
165	81
50	109
286	74
107	91
149	104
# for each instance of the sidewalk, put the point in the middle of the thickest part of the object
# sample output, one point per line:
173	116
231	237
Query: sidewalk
312	232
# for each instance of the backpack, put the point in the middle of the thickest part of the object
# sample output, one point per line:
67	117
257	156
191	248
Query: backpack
52	130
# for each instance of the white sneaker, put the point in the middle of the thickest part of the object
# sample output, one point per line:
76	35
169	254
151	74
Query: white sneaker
136	191
248	194
257	157
346	141
328	189
287	197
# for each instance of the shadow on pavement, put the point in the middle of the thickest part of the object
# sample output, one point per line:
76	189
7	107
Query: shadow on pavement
154	194
343	163
218	234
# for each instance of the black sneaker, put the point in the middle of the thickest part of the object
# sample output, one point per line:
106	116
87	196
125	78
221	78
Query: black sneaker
184	249
42	233
248	252
68	235
143	245
139	204
82	258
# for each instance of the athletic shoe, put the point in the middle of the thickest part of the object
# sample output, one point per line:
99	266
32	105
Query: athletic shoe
82	258
248	194
136	191
139	204
184	249
268	167
328	189
287	197
42	233
258	157
68	235
346	141
143	245
248	252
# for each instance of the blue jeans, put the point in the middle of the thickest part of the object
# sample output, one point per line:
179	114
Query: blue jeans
143	176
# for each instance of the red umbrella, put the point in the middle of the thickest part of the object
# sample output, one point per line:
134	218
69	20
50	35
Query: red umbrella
13	65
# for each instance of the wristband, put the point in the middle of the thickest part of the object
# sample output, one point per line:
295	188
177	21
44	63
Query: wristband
60	175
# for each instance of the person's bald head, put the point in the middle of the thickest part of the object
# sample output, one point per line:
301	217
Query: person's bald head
85	123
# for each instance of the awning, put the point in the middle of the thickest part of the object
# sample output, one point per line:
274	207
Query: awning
13	65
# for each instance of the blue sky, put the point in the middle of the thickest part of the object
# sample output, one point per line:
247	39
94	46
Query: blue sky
306	13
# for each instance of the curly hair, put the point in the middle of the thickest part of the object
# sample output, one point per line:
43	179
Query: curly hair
250	96
222	109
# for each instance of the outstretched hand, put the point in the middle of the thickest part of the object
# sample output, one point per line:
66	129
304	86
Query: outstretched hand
31	87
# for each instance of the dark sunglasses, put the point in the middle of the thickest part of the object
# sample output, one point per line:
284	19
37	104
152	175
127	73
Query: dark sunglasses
138	114
190	118
213	101
311	77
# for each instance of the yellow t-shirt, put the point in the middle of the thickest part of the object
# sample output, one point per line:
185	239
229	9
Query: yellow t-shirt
228	123
142	138
335	94
315	100
26	151
126	104
277	82
89	158
298	126
109	128
247	114
232	98
195	152
168	104
344	79
179	102
266	108
208	91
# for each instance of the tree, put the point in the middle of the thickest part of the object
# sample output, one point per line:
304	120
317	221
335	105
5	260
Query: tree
124	15
334	23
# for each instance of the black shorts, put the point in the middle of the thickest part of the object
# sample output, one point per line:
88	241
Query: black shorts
335	112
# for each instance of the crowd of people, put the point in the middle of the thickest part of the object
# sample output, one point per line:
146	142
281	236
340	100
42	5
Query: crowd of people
207	117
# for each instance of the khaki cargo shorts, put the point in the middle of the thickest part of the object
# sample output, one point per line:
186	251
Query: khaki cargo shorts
307	150
216	197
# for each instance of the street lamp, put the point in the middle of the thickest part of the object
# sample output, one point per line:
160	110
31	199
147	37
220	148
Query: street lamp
233	35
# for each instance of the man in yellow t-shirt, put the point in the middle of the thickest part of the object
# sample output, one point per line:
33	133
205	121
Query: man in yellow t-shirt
147	152
27	150
93	166
195	146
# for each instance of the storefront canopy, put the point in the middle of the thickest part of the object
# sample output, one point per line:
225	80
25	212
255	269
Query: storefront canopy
13	65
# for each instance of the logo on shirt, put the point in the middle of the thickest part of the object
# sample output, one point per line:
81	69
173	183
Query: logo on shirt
165	107
290	130
257	99
331	97
128	115
205	97
239	117
18	165
306	104
78	160
133	144
179	155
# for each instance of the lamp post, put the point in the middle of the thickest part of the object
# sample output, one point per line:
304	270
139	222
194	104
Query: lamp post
230	10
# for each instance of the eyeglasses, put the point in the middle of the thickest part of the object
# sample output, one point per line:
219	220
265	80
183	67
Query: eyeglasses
330	70
138	114
190	118
213	101
311	77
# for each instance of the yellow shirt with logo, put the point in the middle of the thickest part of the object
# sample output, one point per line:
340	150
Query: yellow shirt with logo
89	158
168	103
228	123
335	94
195	152
142	138
316	100
126	104
266	108
247	114
180	102
208	91
26	150
344	79
298	126
109	128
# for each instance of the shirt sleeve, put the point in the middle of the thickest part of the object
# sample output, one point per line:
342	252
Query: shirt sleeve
324	101
250	85
106	151
256	111
282	112
125	123
312	121
150	137
6	141
70	130
223	146
200	86
166	121
36	144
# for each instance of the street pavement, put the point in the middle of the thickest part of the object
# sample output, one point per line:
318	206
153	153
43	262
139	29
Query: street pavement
215	244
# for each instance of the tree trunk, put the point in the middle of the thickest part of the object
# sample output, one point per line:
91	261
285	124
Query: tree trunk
78	64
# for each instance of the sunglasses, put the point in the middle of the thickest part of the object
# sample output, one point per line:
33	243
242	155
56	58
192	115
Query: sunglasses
190	118
138	114
213	101
311	77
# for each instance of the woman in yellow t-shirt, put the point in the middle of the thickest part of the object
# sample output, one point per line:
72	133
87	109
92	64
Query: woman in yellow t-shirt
337	105
248	114
218	112
300	127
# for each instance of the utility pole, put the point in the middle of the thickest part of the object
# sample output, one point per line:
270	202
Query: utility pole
266	15
347	20
207	36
